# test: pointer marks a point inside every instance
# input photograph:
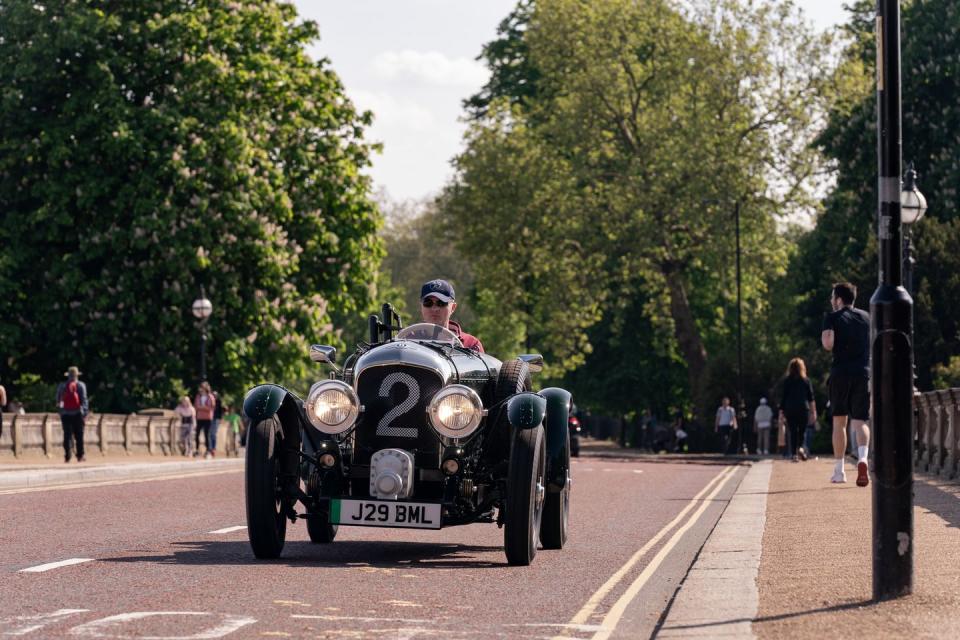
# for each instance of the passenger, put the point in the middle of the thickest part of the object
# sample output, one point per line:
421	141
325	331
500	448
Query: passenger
437	304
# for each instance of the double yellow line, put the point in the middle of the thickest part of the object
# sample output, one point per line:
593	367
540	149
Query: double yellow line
616	612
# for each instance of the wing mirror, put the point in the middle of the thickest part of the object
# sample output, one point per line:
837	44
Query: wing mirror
533	360
323	353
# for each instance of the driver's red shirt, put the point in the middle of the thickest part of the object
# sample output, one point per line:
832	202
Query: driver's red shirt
469	341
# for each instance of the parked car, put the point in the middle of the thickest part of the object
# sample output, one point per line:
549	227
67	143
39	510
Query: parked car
574	426
415	431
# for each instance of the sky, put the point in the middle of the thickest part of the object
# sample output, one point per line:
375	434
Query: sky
412	62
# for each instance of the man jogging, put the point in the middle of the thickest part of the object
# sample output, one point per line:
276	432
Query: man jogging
846	333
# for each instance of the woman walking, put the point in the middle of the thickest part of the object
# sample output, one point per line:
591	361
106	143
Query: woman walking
205	404
797	405
188	421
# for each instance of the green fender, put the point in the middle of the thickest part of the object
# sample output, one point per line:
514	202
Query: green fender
263	402
558	437
526	410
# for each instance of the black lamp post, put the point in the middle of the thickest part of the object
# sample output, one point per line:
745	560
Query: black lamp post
912	207
740	405
891	361
202	308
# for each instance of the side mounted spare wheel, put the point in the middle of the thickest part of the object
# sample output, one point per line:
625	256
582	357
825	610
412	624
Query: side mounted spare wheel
514	378
266	524
525	493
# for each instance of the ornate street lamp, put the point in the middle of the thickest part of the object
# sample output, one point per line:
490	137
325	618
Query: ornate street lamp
912	207
202	308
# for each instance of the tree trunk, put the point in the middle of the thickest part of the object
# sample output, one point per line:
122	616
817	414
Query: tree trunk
688	339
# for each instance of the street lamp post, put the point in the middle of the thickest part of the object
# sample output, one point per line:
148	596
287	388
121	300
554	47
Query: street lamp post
741	410
912	207
891	359
740	406
202	308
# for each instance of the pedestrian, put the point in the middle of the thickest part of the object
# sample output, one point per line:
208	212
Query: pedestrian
205	404
188	422
725	424
762	421
215	423
648	428
73	408
232	418
797	405
846	333
3	404
680	433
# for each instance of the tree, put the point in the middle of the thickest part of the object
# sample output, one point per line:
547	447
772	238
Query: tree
843	244
647	122
150	147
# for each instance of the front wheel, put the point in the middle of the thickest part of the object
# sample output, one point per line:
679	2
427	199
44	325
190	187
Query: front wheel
319	527
525	494
266	525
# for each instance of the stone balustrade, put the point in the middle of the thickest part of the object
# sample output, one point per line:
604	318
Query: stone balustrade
41	435
936	444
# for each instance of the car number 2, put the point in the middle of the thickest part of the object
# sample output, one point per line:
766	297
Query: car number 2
413	396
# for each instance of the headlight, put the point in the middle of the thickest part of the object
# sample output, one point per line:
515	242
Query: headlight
455	411
332	406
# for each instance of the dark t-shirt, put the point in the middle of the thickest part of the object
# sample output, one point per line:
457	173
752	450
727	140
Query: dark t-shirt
851	341
797	394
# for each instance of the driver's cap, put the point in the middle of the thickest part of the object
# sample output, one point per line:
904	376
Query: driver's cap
440	289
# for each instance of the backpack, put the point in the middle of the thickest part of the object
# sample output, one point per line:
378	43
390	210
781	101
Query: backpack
70	400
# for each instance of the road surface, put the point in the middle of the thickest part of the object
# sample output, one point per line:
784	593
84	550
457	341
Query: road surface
170	559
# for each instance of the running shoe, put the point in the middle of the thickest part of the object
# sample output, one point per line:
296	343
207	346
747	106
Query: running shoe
863	478
838	477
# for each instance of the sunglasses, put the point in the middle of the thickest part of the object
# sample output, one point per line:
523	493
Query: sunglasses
429	302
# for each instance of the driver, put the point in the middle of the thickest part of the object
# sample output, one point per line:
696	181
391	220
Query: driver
437	304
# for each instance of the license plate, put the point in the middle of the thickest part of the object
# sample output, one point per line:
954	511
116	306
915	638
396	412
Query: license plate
380	513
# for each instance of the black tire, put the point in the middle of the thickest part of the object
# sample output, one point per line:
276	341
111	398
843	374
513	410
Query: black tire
266	525
575	446
320	529
555	524
524	501
514	378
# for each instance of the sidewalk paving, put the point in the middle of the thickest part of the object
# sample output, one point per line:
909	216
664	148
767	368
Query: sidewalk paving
36	472
815	568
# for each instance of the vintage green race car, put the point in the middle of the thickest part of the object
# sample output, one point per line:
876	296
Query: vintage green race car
414	431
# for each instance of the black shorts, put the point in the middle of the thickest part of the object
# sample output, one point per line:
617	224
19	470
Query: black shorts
850	396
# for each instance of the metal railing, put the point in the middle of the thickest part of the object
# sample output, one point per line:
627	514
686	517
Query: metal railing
936	445
41	434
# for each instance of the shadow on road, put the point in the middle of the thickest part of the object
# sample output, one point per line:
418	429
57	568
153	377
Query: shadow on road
781	616
355	553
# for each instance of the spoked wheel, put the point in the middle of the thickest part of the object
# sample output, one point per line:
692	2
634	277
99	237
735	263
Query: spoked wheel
319	527
266	525
556	508
525	494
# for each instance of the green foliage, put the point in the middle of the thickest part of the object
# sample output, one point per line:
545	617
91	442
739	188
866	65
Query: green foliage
947	375
148	147
601	169
843	244
35	394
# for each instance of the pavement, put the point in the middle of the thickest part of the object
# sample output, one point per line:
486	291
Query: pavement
18	474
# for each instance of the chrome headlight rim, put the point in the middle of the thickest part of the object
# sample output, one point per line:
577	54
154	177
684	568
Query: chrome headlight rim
353	412
456	434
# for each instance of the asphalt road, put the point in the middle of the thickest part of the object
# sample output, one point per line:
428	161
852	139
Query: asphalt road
170	559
